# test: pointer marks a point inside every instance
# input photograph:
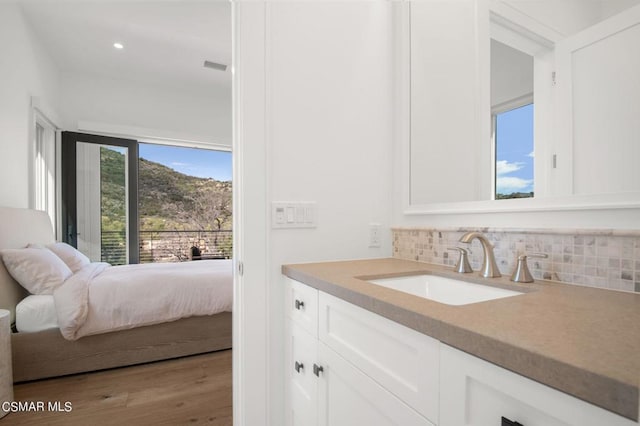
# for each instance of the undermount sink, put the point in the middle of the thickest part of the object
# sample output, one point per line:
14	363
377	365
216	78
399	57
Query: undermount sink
444	290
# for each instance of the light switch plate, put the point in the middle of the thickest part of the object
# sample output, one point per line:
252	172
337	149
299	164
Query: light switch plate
374	235
293	214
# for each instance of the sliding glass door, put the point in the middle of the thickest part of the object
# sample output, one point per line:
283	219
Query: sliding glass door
100	196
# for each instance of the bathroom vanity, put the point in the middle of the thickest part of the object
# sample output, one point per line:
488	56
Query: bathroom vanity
543	353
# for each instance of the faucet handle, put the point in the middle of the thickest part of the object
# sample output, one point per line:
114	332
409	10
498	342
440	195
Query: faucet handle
462	265
521	274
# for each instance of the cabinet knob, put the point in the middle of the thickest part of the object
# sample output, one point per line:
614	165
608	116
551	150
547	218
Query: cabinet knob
507	422
299	366
299	304
317	369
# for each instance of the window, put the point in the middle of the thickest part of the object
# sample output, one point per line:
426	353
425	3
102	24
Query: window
128	201
185	203
513	136
44	167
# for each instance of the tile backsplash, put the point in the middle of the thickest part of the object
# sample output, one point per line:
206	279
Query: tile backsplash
596	258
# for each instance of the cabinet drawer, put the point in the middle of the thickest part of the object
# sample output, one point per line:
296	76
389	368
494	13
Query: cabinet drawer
348	397
302	305
476	392
400	359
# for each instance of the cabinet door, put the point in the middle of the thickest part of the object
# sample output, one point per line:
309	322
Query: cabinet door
474	392
347	397
302	350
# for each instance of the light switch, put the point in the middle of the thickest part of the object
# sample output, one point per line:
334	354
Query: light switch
300	214
308	214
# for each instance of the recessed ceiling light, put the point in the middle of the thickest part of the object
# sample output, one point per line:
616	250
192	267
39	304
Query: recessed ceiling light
118	45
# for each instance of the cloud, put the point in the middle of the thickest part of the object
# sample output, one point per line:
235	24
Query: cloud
504	167
509	184
531	154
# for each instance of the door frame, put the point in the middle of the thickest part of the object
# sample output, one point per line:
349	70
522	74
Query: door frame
69	213
254	403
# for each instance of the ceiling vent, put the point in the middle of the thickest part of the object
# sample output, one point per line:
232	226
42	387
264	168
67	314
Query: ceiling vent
215	66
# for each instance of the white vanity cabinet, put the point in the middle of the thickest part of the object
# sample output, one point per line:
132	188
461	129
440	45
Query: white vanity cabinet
348	366
343	371
474	392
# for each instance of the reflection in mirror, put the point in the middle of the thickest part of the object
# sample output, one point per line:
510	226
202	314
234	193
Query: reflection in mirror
604	71
445	128
580	62
568	17
512	121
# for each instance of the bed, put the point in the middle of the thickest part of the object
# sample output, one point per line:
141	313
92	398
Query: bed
42	351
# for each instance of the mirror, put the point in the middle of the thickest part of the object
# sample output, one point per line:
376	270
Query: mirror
515	98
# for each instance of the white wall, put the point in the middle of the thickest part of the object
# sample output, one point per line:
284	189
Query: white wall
26	71
150	109
328	104
330	109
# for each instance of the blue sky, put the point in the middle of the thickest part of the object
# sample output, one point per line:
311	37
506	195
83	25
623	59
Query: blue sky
202	163
514	151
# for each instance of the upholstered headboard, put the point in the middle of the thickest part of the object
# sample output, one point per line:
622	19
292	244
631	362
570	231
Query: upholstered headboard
19	227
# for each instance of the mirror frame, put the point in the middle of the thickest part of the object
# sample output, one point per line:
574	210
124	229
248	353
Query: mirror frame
505	15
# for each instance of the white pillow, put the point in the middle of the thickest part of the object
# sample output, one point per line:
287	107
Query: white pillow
38	270
74	259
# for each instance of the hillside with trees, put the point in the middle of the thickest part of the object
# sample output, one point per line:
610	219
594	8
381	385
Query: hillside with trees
168	201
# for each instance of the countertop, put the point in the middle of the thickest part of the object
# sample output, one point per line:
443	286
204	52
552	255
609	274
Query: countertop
580	340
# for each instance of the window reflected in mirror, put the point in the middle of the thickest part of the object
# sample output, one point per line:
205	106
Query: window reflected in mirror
512	122
514	153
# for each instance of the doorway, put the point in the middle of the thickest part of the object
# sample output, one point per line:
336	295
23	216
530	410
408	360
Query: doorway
100	196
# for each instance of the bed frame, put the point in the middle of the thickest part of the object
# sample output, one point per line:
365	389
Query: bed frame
48	354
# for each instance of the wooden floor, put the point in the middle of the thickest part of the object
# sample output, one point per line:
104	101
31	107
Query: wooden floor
187	391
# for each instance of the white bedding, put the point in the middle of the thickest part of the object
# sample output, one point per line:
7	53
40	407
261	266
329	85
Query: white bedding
101	298
36	313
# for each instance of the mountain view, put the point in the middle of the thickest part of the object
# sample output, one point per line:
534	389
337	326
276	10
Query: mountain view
176	211
169	200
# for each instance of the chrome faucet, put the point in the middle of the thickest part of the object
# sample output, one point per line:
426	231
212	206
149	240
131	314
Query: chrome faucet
489	266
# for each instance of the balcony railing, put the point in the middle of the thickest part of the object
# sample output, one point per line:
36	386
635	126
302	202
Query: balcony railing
167	246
